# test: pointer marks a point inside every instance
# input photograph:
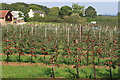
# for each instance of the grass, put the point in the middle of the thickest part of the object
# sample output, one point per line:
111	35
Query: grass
44	23
61	60
23	72
45	72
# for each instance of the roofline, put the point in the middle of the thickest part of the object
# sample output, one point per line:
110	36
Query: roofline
6	13
5	10
10	13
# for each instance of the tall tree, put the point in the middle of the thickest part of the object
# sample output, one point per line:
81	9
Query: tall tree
76	8
46	10
4	6
54	11
65	11
35	7
22	8
90	12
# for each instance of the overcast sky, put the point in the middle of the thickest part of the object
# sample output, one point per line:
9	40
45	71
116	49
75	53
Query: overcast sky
107	7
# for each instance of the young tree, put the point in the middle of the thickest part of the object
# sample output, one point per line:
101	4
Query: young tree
77	9
90	12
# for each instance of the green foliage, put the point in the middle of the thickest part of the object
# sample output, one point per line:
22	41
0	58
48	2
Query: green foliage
43	8
26	17
46	19
4	6
37	14
90	12
118	13
54	11
52	19
35	7
36	17
55	14
107	20
65	58
23	7
65	11
38	71
77	9
90	19
75	18
20	14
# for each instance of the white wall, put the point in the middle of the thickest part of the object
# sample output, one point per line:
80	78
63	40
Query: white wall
30	14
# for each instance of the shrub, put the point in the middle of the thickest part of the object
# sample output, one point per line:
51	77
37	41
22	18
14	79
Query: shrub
74	18
46	19
39	19
90	19
53	19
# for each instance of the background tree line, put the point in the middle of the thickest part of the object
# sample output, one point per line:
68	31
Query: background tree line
74	14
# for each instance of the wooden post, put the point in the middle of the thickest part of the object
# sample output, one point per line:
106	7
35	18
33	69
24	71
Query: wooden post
106	28
32	31
94	67
111	54
99	43
56	31
94	62
20	33
88	47
35	30
110	35
45	32
115	28
80	33
68	35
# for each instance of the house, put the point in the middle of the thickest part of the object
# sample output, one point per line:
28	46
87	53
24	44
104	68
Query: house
31	13
93	22
18	16
6	17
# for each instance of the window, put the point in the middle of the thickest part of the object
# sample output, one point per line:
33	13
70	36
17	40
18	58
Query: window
8	17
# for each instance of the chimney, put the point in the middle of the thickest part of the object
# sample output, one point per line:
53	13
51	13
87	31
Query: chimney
31	10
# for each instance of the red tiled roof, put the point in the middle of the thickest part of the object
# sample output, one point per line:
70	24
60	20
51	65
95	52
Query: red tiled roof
3	13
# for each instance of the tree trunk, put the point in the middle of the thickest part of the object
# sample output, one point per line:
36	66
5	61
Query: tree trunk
7	58
31	59
77	70
53	76
110	73
94	67
19	58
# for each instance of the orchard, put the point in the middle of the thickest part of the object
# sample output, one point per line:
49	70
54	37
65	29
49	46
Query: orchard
57	45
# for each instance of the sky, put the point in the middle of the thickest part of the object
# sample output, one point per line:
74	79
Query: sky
104	7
